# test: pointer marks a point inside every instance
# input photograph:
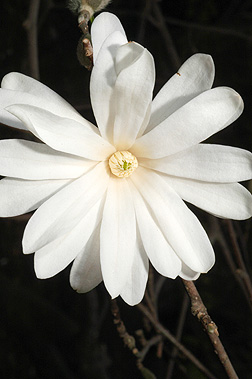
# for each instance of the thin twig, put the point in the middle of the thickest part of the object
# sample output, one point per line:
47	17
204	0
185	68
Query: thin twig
198	309
166	333
31	24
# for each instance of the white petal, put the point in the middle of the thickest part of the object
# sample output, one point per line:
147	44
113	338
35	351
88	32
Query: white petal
196	75
21	196
228	200
132	93
102	82
104	25
36	161
56	255
63	134
160	253
133	291
118	236
211	163
21	89
86	270
62	212
179	225
197	120
188	274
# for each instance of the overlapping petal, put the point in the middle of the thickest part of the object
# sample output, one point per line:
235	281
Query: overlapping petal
19	196
195	76
118	236
36	161
63	134
211	163
57	254
229	200
188	274
63	211
191	124
86	269
179	225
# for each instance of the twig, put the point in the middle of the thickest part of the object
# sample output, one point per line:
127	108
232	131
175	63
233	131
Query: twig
30	24
166	333
198	309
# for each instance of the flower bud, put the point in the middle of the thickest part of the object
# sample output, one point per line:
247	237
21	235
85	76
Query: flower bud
82	7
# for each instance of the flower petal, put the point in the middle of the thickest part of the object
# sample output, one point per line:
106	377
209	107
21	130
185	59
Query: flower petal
104	25
21	89
160	253
86	270
118	236
196	75
230	200
134	288
57	254
188	274
179	225
211	163
197	120
63	134
132	93
36	161
62	212
102	82
22	196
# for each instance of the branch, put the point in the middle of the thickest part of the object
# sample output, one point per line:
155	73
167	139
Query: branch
198	309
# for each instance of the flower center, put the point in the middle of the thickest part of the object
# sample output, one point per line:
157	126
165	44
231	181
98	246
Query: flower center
122	164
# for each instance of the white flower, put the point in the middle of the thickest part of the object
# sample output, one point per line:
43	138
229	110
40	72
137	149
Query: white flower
109	225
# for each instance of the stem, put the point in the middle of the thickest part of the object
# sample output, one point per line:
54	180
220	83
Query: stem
198	309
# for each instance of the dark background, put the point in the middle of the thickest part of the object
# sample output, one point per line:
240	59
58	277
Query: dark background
46	329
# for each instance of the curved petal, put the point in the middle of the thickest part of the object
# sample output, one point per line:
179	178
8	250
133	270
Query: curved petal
36	161
63	134
210	163
196	75
160	253
57	254
188	274
132	92
19	196
118	236
22	89
229	200
104	25
179	225
62	212
134	288
102	82
86	269
197	120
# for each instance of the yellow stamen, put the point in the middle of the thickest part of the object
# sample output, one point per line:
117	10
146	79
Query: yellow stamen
122	164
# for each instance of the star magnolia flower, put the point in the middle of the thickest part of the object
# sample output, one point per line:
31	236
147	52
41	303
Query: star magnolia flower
111	199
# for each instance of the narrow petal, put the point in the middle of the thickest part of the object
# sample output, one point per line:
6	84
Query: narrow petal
179	225
19	196
188	274
56	255
160	253
36	161
102	82
229	200
104	25
21	89
62	212
63	134
191	124
132	93
133	291
118	236
211	163
86	270
196	75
